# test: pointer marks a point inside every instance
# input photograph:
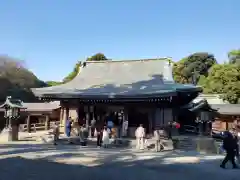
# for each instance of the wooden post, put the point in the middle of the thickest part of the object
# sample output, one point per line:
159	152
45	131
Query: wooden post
47	123
64	117
61	116
28	124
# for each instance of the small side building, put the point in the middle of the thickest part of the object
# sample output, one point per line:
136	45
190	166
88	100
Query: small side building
215	117
228	117
36	116
39	116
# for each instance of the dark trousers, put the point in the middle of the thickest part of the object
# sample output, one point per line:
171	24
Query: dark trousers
230	156
170	133
92	131
237	151
99	140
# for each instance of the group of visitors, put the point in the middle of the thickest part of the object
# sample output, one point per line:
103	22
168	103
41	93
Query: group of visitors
158	135
103	132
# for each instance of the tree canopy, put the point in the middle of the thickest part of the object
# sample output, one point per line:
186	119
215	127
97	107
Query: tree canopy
234	56
223	79
190	69
97	57
16	80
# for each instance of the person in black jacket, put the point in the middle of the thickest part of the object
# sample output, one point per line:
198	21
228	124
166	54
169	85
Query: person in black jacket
229	144
235	136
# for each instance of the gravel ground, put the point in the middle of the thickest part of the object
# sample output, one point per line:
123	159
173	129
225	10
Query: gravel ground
35	162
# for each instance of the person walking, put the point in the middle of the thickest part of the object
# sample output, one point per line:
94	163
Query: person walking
236	138
229	144
140	134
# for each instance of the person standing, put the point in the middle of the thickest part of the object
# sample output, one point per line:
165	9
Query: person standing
157	139
169	129
69	129
93	126
99	136
140	134
56	133
229	144
83	135
110	123
105	137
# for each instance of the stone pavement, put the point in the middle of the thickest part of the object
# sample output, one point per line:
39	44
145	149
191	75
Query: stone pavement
35	162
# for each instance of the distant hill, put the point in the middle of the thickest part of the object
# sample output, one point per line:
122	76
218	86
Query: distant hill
16	80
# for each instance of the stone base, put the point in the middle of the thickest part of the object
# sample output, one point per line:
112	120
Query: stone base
167	144
8	134
206	145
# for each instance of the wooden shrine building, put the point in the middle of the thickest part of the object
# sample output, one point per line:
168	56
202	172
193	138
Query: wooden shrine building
136	91
36	116
219	117
228	117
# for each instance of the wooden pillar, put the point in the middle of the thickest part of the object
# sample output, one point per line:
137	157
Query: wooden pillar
123	130
67	114
87	119
61	116
28	124
64	117
47	123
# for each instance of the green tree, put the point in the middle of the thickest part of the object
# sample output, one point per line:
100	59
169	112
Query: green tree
234	56
178	69
73	74
16	80
53	83
97	57
196	64
224	79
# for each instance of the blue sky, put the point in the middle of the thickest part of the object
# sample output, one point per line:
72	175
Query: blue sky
51	36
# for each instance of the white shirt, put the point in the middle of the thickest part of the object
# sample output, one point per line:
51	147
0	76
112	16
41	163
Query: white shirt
140	132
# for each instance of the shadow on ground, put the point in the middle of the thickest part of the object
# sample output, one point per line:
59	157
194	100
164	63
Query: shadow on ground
117	166
16	148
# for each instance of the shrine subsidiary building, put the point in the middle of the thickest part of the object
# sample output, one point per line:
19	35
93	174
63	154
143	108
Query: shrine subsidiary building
141	91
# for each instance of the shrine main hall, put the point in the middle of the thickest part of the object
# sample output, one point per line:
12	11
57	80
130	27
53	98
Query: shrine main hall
136	91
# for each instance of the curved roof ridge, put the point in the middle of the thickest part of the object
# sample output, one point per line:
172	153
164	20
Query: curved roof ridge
131	60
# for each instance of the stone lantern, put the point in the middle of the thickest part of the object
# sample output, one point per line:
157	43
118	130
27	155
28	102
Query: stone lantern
12	113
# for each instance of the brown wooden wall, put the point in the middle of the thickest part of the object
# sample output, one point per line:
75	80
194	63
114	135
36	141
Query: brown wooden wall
224	122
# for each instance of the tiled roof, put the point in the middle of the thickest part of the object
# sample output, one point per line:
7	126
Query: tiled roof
45	106
40	107
231	109
14	103
149	77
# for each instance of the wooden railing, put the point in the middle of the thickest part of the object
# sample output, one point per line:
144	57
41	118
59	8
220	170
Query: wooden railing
34	127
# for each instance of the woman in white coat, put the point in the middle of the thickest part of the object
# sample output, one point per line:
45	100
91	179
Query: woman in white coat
140	134
105	137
